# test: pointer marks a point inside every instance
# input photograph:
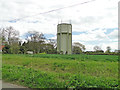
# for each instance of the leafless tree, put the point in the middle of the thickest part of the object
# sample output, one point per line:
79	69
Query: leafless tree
9	35
34	36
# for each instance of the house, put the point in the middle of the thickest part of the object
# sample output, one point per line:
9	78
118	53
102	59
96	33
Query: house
1	47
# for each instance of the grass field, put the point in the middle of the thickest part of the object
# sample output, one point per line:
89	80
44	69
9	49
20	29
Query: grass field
61	71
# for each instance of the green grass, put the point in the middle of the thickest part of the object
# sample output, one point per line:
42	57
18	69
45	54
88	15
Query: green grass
61	71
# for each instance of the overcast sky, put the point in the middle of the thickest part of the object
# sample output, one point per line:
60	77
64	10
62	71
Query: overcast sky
93	23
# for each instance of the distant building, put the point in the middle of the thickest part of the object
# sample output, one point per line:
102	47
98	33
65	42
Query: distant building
64	38
1	47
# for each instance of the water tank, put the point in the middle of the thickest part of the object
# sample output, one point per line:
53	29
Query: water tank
64	38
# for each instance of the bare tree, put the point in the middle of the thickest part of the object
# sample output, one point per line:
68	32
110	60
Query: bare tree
10	35
34	36
2	34
10	39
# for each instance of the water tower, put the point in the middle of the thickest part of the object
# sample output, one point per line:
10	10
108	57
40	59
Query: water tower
64	38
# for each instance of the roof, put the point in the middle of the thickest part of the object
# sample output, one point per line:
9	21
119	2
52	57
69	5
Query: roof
1	47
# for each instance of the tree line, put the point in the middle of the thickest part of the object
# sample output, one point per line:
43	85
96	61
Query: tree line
34	41
38	43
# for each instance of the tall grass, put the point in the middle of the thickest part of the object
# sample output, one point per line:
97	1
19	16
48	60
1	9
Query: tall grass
61	71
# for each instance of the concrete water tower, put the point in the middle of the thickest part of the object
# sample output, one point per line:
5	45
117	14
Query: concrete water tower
64	38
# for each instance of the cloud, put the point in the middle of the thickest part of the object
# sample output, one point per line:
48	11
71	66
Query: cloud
92	35
92	21
113	34
113	45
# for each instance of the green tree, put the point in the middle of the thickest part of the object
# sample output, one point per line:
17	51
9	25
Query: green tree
78	48
10	38
98	50
6	49
35	41
22	50
15	49
108	50
51	46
